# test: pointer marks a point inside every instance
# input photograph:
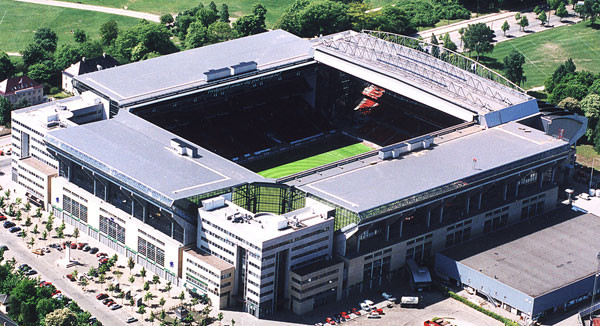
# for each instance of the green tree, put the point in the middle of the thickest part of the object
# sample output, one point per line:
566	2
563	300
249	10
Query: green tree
61	317
132	280
181	296
130	265
76	234
5	109
46	38
448	44
213	6
155	280
518	16
84	282
168	287
42	72
553	5
166	19
537	10
132	302
561	11
101	277
542	18
435	51
35	53
35	229
479	37
206	17
141	40
523	22
91	49
142	310
7	69
146	286
109	32
44	235
79	36
220	317
31	242
505	27
394	20
224	13
220	32
197	35
147	297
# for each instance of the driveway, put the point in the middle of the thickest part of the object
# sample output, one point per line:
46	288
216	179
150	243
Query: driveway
115	11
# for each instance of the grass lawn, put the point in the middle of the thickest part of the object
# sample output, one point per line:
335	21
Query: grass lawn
19	20
314	161
544	51
586	155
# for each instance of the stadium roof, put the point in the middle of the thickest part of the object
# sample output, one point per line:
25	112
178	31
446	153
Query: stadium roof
531	257
140	81
351	186
139	154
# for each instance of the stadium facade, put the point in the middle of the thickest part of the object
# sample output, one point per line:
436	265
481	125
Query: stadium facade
163	174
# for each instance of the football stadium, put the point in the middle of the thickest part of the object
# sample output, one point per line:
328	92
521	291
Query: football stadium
278	173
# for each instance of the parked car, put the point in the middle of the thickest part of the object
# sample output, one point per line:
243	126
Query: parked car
86	248
8	224
364	306
344	315
378	310
14	229
2	218
115	307
3	248
93	250
374	315
73	246
329	321
388	297
110	303
103	260
81	245
102	296
106	301
355	311
131	320
31	272
101	254
71	277
24	267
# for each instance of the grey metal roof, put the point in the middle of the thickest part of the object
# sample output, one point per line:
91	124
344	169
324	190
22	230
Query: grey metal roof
369	183
184	70
536	257
139	154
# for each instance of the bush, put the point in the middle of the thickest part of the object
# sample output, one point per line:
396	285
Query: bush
54	90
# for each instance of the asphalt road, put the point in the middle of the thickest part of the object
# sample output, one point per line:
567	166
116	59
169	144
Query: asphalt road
48	270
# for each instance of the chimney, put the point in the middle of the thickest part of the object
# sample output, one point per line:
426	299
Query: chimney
104	54
83	59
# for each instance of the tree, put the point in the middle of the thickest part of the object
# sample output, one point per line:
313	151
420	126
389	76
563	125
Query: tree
220	32
561	11
220	317
518	16
143	273
35	53
181	296
61	317
394	20
74	273
435	51
505	27
31	242
101	278
448	44
524	22
110	288
461	32
130	265
542	17
590	106
152	317
5	109
224	13
479	37
79	36
7	69
206	17
142	310
163	315
44	235
118	274
109	32
248	25
35	230
146	286
46	38
166	19
41	72
537	10
83	283
76	234
132	302
132	280
553	5
213	6
155	280
197	35
147	297
59	233
168	287
140	41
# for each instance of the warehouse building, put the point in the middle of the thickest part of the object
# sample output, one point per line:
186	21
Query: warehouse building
533	268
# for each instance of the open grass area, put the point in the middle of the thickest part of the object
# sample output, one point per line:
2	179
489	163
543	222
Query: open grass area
19	20
544	51
314	161
586	155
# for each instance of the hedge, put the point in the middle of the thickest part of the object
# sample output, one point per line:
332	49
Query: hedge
506	321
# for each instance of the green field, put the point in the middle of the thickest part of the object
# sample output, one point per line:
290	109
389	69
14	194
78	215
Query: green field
314	161
19	20
544	51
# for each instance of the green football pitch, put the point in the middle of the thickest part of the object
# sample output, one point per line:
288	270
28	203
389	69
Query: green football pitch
315	161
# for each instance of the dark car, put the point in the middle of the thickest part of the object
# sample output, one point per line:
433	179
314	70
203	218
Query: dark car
87	248
14	229
3	248
24	267
106	301
93	250
101	296
31	272
8	224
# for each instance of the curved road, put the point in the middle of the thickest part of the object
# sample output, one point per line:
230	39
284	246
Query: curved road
114	11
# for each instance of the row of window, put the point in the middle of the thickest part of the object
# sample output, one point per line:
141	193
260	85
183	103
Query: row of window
22	176
18	123
329	292
204	278
74	208
204	268
310	243
309	252
314	278
419	239
459	225
150	251
31	172
316	286
454	238
231	234
300	238
111	228
378	253
216	254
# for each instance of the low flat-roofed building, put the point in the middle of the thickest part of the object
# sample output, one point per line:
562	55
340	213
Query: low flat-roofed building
35	177
203	273
532	268
315	285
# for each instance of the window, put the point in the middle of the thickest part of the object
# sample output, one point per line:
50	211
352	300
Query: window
151	251
74	208
111	228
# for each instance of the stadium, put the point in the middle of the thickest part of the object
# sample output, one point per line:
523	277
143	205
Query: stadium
382	151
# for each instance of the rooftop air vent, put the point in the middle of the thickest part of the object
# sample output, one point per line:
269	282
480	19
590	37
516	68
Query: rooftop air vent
184	149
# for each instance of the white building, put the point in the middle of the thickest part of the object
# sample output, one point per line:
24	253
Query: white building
85	66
